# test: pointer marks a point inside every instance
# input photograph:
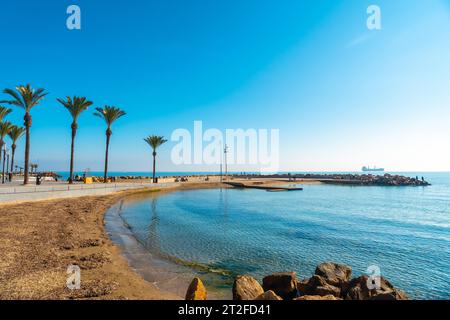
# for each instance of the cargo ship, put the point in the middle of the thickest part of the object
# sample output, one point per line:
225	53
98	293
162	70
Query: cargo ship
374	169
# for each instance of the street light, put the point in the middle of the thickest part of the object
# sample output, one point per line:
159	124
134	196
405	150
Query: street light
225	151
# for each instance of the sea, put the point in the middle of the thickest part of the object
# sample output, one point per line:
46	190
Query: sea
404	232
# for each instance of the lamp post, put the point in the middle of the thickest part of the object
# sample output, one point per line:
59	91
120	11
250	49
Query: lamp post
225	151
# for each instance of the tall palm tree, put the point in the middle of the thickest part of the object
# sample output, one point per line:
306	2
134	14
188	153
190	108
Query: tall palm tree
15	134
154	142
75	106
109	114
4	112
26	98
5	128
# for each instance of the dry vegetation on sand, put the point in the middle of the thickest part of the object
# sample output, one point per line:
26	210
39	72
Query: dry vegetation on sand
39	240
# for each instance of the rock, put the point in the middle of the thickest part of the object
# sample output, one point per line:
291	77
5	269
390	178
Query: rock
358	290
328	290
393	295
246	288
308	298
334	274
196	290
283	284
303	287
316	281
268	295
317	286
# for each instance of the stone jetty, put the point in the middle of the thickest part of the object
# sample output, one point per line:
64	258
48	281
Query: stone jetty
349	179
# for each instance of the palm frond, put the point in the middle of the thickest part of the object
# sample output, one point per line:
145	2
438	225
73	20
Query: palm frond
17	100
109	114
4	112
75	105
16	133
155	141
5	129
25	97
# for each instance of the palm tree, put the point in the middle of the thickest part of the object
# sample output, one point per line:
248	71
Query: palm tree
26	98
4	112
5	128
75	106
154	142
109	114
15	134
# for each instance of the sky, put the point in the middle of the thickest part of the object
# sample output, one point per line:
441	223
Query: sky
341	95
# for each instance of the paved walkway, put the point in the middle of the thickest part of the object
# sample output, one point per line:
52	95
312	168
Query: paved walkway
20	193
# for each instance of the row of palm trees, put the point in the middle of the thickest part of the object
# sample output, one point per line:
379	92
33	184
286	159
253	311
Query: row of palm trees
8	129
26	97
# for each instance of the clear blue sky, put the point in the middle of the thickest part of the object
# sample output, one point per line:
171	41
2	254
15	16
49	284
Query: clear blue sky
341	95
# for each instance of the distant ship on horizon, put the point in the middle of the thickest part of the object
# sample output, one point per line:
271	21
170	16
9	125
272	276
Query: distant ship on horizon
374	169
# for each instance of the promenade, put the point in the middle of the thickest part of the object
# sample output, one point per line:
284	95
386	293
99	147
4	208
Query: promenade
15	192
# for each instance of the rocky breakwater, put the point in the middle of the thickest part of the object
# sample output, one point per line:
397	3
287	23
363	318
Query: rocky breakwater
331	281
370	180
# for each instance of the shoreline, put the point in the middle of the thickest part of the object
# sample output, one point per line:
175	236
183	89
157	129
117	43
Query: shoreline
163	272
39	240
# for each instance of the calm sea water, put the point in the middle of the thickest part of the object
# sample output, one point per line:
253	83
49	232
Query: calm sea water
223	232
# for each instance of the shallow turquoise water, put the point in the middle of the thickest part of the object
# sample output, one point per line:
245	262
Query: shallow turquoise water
403	230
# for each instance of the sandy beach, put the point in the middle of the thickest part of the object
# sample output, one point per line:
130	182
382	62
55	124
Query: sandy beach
39	240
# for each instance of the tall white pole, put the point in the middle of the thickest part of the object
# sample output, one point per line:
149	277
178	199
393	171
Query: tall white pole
226	166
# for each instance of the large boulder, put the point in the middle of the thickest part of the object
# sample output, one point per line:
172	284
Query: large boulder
268	295
308	298
246	288
317	286
196	290
283	284
303	287
334	274
358	290
328	290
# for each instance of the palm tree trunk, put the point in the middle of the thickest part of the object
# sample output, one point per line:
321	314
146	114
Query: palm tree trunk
13	152
108	136
72	148
4	162
27	119
154	167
